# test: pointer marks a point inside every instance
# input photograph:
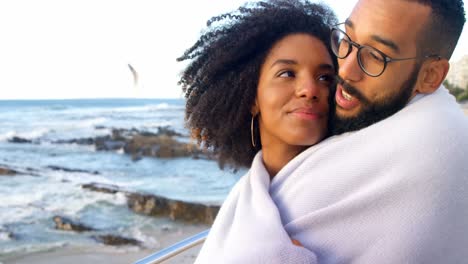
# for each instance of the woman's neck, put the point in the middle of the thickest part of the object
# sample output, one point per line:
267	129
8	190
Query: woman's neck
275	156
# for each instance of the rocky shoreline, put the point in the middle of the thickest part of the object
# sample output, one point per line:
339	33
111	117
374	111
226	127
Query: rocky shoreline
140	203
165	143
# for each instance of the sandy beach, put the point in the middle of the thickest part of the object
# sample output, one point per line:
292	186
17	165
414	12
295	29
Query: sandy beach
107	254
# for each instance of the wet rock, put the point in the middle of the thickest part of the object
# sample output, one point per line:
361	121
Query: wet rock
139	144
154	205
66	224
113	240
7	172
19	140
100	187
168	132
106	143
58	168
78	141
162	146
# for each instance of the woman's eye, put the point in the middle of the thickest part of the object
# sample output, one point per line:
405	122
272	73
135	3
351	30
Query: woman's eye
326	78
286	74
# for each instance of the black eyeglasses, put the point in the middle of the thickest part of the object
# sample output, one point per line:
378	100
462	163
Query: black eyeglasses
371	60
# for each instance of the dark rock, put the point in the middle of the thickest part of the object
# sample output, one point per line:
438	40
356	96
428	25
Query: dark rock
7	171
154	205
99	127
120	134
58	168
100	187
19	140
83	141
66	224
139	144
78	141
167	131
108	143
113	240
159	146
176	210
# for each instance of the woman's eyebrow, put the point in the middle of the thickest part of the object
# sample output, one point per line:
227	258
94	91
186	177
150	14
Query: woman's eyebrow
284	61
326	66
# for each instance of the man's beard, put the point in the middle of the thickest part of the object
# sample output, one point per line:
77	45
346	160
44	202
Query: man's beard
372	112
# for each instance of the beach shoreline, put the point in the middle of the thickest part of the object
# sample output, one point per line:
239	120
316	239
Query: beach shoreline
116	255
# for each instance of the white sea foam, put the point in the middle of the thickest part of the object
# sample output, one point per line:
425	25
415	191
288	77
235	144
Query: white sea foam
71	203
77	177
90	122
30	133
149	108
12	215
148	240
31	248
4	236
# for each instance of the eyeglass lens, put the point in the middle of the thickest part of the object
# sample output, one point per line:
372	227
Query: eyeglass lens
370	60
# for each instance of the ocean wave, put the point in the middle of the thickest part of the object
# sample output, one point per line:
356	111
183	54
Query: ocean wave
31	248
4	235
55	129
12	215
35	201
149	241
149	108
29	135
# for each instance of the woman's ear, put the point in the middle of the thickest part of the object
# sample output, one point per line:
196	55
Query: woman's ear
432	75
254	109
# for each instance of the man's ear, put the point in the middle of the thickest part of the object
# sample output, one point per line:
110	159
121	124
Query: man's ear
432	75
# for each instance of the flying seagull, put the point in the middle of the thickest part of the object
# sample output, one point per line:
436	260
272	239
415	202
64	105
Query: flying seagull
135	75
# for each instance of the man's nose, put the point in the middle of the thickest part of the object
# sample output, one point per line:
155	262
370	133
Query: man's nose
349	68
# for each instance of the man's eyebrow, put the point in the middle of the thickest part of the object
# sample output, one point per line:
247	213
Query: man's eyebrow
387	43
377	38
283	61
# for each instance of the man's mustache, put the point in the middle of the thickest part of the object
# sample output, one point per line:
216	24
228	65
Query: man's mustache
348	88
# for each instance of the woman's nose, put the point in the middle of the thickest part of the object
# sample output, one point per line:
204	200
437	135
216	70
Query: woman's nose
309	89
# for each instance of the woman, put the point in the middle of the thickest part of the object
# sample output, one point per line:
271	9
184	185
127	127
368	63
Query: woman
259	86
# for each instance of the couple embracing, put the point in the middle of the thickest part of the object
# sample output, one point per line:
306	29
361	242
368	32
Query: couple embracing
357	153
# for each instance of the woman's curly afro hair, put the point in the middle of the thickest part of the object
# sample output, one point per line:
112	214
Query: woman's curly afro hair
220	83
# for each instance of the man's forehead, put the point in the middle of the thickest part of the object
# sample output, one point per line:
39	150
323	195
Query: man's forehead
389	21
390	12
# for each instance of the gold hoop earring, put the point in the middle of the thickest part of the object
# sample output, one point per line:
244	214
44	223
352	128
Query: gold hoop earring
252	134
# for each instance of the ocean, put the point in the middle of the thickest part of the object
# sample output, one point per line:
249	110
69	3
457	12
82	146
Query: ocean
29	201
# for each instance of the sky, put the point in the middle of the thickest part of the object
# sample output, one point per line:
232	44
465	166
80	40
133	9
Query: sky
61	49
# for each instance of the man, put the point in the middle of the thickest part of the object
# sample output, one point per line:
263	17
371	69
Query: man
423	33
392	186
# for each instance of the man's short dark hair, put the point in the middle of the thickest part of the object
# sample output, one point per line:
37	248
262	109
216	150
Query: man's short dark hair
441	34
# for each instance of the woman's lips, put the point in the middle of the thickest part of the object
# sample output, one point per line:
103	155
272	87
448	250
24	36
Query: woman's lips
345	100
307	113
